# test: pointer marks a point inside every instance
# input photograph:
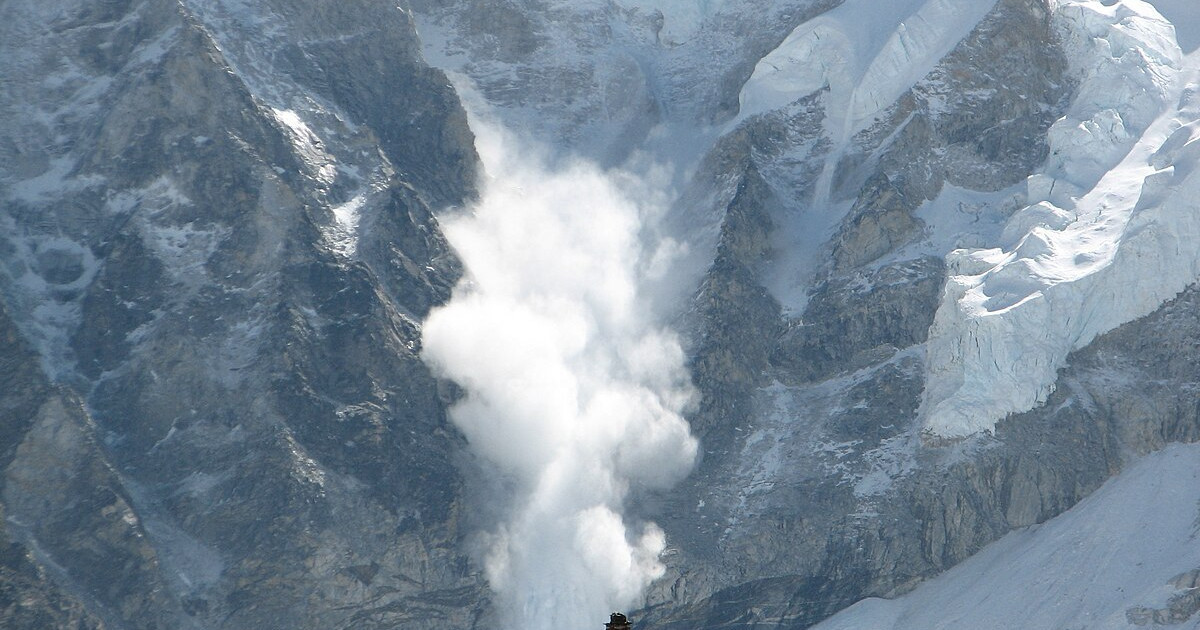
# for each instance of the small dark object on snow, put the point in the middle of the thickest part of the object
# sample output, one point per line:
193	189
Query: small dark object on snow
617	621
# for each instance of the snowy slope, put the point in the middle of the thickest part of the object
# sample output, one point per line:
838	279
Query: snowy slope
1109	560
867	53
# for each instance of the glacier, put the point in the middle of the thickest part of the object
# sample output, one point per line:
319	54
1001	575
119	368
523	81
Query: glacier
1107	236
1098	214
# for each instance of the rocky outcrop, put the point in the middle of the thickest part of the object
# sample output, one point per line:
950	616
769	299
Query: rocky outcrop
862	320
1181	606
30	596
739	316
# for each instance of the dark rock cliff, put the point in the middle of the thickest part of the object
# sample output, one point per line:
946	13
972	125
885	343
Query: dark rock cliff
239	432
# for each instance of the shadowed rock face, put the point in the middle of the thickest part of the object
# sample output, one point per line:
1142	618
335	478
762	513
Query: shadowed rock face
855	323
37	421
240	432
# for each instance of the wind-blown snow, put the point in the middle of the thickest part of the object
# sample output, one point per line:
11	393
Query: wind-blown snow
1109	235
1101	564
54	181
573	393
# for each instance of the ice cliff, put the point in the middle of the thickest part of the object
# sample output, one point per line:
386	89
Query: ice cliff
1107	235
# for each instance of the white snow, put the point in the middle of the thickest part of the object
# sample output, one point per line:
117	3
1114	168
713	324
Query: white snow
1116	550
183	249
308	146
52	183
154	50
343	235
961	218
868	53
1109	233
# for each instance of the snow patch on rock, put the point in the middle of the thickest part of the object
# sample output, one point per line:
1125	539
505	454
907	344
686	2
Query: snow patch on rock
308	146
343	235
47	277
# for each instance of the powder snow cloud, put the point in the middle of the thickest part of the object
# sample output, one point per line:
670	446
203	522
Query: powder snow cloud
574	394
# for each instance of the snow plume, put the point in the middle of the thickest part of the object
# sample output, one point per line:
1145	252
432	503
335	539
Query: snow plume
574	394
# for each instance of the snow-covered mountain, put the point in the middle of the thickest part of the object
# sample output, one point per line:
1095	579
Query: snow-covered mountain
931	266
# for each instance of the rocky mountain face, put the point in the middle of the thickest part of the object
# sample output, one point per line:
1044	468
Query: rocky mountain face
218	245
220	242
